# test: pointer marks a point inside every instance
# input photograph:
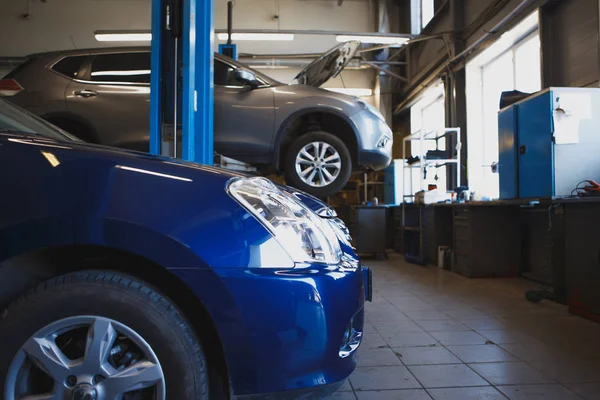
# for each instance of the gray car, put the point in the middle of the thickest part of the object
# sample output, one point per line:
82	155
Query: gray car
316	137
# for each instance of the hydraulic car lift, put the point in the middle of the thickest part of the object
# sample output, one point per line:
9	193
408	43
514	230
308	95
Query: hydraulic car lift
181	88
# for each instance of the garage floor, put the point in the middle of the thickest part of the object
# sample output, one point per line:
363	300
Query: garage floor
435	334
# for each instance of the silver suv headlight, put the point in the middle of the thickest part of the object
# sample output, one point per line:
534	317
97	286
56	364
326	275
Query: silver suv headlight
370	107
305	236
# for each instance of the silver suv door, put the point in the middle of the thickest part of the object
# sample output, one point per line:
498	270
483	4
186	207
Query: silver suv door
113	95
244	117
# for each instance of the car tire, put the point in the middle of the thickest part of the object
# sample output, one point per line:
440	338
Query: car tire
127	303
306	152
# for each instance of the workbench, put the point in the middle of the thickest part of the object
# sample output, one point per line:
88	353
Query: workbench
555	242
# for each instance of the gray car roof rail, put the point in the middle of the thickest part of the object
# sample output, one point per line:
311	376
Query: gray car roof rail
95	50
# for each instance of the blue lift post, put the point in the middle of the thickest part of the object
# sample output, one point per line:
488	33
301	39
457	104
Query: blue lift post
196	82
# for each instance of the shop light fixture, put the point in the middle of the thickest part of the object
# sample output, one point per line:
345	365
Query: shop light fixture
123	37
398	41
271	37
352	91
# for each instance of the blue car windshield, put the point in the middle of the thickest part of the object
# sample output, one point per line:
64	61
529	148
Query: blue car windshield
14	119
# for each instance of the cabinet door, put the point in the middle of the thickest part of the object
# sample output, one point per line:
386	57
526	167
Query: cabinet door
535	147
508	150
583	258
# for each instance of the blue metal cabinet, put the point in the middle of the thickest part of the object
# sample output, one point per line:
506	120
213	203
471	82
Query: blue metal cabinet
535	159
392	183
549	143
507	145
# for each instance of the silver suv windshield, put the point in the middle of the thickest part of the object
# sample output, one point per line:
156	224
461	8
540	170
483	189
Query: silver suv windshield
14	119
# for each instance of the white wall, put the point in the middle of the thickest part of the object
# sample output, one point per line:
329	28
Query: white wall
65	24
68	24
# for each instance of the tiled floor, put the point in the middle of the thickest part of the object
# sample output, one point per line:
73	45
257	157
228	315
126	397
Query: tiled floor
432	334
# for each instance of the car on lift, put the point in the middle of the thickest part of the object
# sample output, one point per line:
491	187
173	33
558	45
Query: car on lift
131	276
317	138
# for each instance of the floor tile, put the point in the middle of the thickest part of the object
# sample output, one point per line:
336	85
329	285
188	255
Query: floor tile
383	378
401	299
345	387
396	326
510	373
587	390
530	351
443	326
342	396
377	357
485	353
409	339
467	313
407	394
545	392
384	313
486	323
570	371
413	305
419	310
426	355
373	341
508	336
445	376
459	338
425	315
467	393
369	328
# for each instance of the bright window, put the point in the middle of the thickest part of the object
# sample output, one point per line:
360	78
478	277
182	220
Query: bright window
427	12
512	63
428	114
422	12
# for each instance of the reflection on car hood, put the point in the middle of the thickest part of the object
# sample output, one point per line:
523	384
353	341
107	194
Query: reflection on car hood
328	65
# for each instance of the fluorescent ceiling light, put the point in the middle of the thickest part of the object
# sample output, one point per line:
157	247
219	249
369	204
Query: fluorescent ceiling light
373	39
123	37
258	36
352	91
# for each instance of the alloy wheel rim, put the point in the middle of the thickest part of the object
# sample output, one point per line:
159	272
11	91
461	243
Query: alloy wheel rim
85	358
318	164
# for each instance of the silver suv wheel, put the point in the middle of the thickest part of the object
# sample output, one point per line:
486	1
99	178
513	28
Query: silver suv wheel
318	164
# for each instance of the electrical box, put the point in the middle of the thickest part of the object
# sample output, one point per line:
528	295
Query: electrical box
549	143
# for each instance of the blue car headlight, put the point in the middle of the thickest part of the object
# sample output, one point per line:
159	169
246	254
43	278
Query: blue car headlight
305	236
342	231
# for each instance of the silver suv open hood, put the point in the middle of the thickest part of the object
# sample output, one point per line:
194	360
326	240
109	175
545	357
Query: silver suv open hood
329	65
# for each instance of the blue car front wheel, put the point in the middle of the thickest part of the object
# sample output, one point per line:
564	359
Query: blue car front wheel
97	335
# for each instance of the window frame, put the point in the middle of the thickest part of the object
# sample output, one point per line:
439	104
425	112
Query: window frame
263	84
478	160
51	65
86	70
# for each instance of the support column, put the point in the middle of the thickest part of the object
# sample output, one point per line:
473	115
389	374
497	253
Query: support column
192	104
456	88
197	81
156	103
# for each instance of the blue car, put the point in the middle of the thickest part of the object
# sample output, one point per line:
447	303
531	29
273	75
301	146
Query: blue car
129	276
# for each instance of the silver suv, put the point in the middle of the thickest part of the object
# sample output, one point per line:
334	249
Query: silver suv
317	137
